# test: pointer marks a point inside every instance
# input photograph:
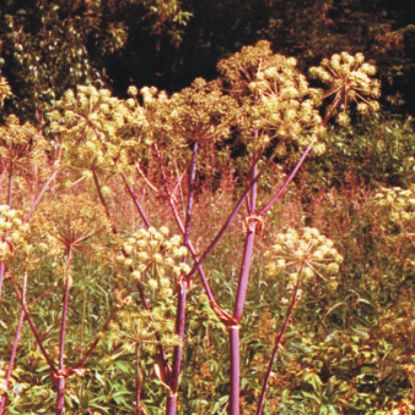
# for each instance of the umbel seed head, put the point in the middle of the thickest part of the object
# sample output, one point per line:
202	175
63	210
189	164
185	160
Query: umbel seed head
13	232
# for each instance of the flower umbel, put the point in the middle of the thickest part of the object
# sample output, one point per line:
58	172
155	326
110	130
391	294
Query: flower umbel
13	231
153	251
275	99
306	250
99	131
349	79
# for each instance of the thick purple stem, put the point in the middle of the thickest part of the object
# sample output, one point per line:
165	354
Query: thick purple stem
191	181
137	203
247	257
234	407
171	408
278	340
240	303
3	400
60	403
171	405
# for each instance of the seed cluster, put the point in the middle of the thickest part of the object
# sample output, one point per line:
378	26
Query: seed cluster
349	80
274	97
72	221
202	112
306	250
21	142
12	231
154	251
99	131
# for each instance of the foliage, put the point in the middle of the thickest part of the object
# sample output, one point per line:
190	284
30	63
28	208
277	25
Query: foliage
141	330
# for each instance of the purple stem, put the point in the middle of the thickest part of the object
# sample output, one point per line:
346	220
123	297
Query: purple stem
287	181
171	405
60	403
230	218
138	382
240	302
43	190
33	328
234	408
137	203
3	400
223	316
247	257
171	408
191	181
278	340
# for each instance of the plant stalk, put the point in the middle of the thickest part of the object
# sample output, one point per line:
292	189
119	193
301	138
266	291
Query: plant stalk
222	315
3	399
171	408
39	196
234	408
240	302
2	272
36	334
60	403
138	381
137	203
278	341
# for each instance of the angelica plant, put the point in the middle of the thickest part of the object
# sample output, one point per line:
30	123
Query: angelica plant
198	117
304	255
276	109
22	147
262	101
155	260
69	224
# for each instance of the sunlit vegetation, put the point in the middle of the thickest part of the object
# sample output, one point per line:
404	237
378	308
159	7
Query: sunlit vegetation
242	244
